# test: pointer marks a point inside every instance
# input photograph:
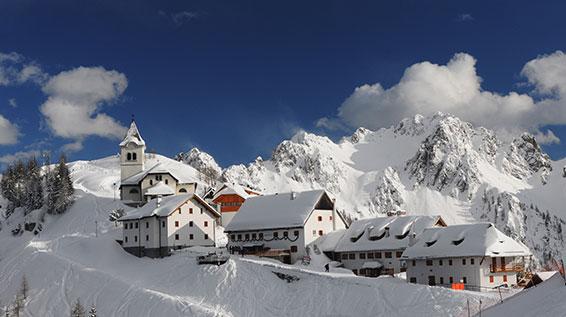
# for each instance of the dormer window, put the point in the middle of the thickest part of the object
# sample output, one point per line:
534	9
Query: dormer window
457	242
430	243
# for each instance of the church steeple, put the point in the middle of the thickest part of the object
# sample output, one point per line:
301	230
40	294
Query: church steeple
132	152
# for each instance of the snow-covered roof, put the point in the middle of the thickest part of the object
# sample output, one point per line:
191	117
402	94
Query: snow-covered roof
478	239
133	136
157	164
234	189
166	207
384	233
284	210
159	189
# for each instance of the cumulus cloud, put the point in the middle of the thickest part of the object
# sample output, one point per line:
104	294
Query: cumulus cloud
455	88
14	69
10	158
9	132
547	137
75	98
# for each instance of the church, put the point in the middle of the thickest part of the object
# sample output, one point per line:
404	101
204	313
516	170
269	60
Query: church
146	176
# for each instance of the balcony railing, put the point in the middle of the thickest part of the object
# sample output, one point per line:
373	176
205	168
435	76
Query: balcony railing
507	268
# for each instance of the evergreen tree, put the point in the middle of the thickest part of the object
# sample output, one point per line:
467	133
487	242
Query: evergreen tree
24	288
92	311
78	309
33	186
59	188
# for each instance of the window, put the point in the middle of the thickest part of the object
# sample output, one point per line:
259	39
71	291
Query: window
428	262
190	210
134	191
191	237
398	254
431	280
491	279
319	218
330	218
232	237
465	280
163	224
137	225
440	264
388	255
190	223
378	255
134	156
370	255
247	235
472	261
320	232
362	256
147	224
239	237
451	279
504	278
450	262
146	237
158	177
182	190
276	234
201	211
314	233
441	280
285	234
413	280
206	223
176	224
179	211
177	236
352	256
205	236
135	238
126	239
150	182
344	255
414	262
463	261
166	181
254	236
293	249
129	156
260	235
296	233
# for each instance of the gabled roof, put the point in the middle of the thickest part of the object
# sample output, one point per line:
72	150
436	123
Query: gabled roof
183	173
133	136
478	239
384	233
285	210
159	189
166	207
234	189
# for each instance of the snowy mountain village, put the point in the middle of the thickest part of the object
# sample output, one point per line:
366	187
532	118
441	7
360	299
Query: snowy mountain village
293	227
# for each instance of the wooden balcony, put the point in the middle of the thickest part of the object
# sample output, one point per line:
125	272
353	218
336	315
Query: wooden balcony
508	268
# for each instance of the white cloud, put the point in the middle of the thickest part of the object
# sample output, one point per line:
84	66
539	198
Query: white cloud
15	70
547	137
179	18
75	98
12	102
9	132
9	158
455	88
465	17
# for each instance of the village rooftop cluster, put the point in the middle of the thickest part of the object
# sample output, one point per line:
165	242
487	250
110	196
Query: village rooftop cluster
293	226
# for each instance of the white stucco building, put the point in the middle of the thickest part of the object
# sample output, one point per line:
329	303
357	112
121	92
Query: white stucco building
145	176
478	255
281	225
169	223
373	246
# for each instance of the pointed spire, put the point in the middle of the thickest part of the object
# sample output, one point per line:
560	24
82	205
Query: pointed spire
133	135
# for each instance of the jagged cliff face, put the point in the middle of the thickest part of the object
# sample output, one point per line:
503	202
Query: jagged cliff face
427	165
201	161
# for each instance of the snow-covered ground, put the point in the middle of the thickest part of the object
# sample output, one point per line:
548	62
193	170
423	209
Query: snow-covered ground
76	256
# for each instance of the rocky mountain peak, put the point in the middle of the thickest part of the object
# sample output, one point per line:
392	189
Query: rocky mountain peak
201	161
525	158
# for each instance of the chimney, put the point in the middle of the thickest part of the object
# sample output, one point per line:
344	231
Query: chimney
293	195
158	201
412	238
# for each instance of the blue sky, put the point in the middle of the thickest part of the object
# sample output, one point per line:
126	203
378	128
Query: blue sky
235	78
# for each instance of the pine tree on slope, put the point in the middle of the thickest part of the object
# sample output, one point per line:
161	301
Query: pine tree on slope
92	311
78	309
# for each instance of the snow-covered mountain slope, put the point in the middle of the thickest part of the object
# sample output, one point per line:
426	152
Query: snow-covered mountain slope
76	256
434	165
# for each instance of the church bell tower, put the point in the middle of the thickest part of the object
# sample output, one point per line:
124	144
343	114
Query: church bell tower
132	152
